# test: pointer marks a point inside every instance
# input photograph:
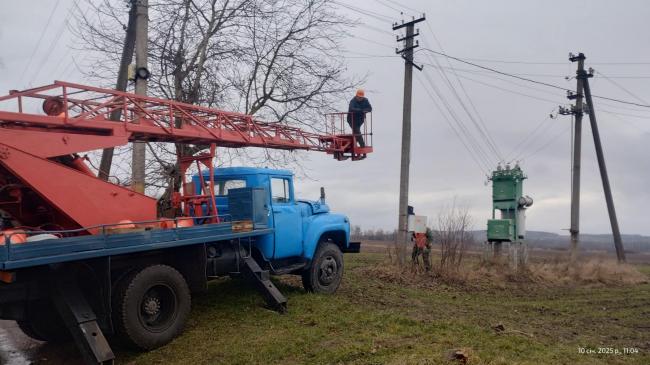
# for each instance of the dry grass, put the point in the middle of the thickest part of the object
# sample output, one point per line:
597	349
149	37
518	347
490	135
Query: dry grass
548	273
594	271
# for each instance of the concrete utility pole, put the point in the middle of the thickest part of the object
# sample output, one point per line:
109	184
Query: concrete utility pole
577	149
142	74
407	54
618	242
122	80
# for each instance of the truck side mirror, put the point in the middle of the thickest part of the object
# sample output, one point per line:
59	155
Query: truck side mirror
322	193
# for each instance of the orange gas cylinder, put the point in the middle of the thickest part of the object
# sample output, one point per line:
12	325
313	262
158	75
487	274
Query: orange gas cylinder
185	222
16	236
125	224
166	223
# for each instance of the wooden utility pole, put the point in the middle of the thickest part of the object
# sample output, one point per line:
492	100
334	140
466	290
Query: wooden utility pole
141	76
618	242
407	55
577	150
120	84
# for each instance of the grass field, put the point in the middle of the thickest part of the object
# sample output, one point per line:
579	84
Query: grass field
373	320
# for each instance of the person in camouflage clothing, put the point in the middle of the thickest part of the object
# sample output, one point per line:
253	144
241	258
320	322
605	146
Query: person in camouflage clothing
422	247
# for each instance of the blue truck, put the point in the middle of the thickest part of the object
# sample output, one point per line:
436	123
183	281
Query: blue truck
136	285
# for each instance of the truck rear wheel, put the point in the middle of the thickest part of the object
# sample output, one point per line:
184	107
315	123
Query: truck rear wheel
43	323
326	270
151	306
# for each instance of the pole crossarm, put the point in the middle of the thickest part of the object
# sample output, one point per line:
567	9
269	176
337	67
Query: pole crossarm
412	22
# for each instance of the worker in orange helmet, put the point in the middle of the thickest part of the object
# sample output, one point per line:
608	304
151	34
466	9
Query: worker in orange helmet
357	110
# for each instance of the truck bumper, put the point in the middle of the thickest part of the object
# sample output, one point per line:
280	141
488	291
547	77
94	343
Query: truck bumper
353	247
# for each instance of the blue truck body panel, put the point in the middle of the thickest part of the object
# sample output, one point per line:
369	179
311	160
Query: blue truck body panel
294	228
15	256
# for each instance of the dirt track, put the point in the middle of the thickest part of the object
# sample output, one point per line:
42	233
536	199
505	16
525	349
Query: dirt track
18	349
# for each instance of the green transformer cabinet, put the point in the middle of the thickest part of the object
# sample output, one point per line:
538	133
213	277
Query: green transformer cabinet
508	199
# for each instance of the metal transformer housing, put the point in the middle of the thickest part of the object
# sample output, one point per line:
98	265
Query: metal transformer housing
509	201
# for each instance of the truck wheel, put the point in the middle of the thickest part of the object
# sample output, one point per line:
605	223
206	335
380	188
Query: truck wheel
326	270
44	323
151	306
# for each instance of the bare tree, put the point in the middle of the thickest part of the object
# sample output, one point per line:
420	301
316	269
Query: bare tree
277	60
452	231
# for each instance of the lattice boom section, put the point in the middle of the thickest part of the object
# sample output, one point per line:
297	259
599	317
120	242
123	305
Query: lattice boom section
95	110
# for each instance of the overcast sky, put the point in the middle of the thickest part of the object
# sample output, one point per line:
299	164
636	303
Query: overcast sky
612	34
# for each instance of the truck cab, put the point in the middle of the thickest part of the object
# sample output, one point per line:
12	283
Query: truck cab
299	226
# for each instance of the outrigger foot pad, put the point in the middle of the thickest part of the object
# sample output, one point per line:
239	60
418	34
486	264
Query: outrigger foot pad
262	280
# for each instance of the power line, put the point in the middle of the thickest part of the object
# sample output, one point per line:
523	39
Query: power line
625	114
474	143
486	137
481	123
404	6
526	147
54	43
451	126
515	151
548	100
398	7
375	42
360	55
389	6
372	14
530	80
494	70
556	102
40	38
378	30
608	111
621	101
554	138
45	58
548	63
622	88
477	148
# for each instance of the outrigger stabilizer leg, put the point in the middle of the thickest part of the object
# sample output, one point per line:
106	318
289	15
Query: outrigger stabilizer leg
262	280
82	323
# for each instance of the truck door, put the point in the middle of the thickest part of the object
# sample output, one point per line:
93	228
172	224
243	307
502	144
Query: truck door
287	220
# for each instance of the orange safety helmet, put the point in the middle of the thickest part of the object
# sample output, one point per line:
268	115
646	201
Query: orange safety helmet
361	93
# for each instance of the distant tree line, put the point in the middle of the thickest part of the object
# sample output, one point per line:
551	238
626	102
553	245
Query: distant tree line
372	234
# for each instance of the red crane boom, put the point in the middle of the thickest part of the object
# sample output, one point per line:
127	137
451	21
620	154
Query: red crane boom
44	182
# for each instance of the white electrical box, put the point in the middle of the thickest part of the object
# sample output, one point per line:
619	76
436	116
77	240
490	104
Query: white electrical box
417	223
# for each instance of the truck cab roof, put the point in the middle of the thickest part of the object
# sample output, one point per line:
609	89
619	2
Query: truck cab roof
238	171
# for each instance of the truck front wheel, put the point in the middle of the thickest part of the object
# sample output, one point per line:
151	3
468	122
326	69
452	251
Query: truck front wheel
326	270
151	306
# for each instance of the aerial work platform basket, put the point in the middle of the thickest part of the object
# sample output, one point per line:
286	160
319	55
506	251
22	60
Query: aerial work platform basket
351	139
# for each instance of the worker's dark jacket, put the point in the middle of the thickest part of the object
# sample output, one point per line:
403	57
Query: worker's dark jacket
357	110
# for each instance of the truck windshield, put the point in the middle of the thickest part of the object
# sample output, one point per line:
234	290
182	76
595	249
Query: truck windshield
221	187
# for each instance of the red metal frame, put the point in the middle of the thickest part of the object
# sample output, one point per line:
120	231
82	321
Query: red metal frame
190	202
48	182
336	124
144	118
